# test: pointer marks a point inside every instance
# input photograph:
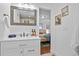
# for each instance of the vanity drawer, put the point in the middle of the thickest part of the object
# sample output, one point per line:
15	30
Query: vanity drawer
30	51
8	44
29	43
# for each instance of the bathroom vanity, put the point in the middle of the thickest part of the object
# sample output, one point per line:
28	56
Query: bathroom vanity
22	47
22	38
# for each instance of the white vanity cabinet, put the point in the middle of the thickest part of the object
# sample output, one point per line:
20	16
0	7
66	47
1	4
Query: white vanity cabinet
9	48
20	48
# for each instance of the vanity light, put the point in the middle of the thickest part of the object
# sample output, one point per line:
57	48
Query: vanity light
32	6
27	6
20	5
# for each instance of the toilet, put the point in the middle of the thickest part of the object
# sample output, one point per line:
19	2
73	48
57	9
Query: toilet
77	49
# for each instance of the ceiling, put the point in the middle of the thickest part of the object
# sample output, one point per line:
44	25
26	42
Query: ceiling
48	5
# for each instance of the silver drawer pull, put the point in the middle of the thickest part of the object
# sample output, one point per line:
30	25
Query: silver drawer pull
31	50
22	45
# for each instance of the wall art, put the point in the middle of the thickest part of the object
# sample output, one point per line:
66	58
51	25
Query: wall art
58	19
65	11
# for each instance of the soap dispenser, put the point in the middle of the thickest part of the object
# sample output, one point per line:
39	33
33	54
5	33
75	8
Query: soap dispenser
33	32
23	34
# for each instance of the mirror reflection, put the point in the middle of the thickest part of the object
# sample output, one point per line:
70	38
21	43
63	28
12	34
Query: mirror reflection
23	16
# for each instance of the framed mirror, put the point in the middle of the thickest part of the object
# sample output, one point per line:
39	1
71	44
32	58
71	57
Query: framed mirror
22	16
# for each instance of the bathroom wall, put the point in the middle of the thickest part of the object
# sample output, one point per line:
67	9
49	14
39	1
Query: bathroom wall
5	9
65	36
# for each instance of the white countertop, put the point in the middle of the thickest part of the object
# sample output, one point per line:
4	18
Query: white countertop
21	38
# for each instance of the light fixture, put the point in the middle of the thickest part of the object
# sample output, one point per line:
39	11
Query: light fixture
32	6
26	5
20	5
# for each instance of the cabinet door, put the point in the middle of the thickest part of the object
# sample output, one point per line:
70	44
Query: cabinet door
9	49
30	48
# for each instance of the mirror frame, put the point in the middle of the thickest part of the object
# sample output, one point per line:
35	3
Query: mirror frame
12	15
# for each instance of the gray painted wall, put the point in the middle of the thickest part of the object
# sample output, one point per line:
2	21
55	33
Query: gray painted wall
65	36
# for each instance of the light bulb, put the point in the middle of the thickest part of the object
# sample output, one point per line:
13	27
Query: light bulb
26	6
32	7
20	5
